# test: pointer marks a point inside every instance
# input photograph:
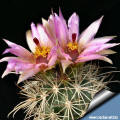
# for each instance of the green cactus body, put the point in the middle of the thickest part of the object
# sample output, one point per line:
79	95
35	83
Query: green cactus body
53	95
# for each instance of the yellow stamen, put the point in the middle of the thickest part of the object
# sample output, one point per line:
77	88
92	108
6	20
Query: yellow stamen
72	46
43	51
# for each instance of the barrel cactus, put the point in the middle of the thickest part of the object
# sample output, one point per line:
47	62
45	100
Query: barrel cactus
58	84
54	95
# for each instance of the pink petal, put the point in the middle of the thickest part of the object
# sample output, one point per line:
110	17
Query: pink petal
51	30
16	64
52	57
60	30
7	59
18	50
52	61
93	57
16	59
10	67
63	20
30	41
48	29
22	67
97	48
43	37
90	50
106	46
27	74
52	52
73	25
89	33
61	15
63	55
88	57
35	33
101	40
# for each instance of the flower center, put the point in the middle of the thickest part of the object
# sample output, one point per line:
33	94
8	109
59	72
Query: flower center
72	46
41	51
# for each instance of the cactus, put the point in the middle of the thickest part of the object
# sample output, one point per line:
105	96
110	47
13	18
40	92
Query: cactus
54	95
64	83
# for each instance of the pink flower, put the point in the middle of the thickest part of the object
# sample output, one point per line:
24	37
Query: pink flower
75	48
55	40
42	57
